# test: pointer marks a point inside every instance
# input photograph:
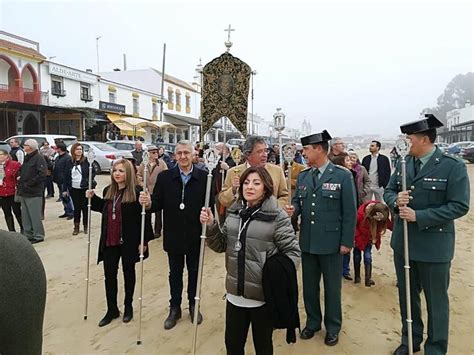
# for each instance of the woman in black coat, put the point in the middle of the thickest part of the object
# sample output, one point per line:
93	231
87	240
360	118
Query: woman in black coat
76	182
120	235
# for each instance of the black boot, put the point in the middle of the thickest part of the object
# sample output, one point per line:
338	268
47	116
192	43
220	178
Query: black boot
191	314
356	271
368	275
10	223
109	316
111	295
128	313
175	314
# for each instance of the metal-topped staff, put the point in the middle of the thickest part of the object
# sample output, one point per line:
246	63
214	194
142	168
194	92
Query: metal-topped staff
289	154
402	145
90	159
236	155
142	247
211	158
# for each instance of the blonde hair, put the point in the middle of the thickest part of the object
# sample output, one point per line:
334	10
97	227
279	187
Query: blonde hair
129	194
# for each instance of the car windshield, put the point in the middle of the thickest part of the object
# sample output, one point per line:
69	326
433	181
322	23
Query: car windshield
105	147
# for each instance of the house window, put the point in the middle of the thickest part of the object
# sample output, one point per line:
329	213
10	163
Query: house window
136	107
188	103
178	100
57	86
154	108
170	98
86	92
112	97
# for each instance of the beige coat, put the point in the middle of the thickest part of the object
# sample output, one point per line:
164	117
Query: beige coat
280	188
153	171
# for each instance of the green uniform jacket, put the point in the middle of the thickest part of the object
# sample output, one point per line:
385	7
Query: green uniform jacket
440	194
328	210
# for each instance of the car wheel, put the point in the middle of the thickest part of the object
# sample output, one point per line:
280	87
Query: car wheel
96	168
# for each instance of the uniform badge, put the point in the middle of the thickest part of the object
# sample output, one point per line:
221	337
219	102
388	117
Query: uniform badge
331	187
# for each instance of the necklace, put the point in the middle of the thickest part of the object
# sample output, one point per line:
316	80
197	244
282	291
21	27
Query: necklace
238	244
117	197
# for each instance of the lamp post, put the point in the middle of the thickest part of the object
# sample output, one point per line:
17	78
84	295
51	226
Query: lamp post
279	126
199	75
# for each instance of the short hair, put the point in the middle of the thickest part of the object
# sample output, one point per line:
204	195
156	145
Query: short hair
61	146
378	144
336	140
340	159
324	145
187	144
250	143
431	134
264	176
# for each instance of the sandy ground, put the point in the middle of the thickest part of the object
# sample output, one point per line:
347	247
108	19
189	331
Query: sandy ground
371	323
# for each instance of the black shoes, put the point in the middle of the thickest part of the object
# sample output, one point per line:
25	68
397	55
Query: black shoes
307	333
403	350
347	277
109	316
191	314
331	339
128	314
175	314
63	216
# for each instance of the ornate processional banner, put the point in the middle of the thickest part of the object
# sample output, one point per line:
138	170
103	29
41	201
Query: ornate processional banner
225	92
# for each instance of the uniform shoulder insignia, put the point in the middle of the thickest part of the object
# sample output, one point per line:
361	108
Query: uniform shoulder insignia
306	169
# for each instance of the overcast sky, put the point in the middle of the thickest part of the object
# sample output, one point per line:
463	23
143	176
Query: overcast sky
347	67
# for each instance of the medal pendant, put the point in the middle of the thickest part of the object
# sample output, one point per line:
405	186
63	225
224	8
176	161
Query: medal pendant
238	246
113	216
181	206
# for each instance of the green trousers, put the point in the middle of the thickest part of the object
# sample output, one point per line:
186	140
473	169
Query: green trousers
31	217
433	280
329	266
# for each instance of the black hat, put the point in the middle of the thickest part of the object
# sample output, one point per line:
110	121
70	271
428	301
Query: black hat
426	124
324	136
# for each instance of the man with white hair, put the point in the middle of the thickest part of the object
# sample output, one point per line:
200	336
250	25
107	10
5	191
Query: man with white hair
31	190
180	192
138	153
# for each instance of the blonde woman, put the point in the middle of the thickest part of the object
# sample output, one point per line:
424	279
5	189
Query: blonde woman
120	236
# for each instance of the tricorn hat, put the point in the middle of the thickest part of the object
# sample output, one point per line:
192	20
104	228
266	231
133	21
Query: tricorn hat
323	136
426	124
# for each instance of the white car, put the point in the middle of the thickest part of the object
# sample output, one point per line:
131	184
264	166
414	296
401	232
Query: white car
52	139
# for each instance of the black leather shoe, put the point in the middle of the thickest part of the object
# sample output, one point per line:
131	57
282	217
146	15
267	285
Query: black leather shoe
175	314
331	339
109	316
307	333
191	315
69	217
403	350
62	216
128	314
347	277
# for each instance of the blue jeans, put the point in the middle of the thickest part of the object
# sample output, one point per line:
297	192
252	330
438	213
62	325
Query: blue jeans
67	203
367	255
345	264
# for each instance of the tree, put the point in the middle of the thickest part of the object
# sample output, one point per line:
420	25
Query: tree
458	92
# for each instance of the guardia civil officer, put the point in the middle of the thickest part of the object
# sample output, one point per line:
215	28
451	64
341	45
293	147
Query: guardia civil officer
325	199
438	193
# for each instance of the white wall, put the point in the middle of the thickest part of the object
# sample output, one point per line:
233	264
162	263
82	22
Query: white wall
20	62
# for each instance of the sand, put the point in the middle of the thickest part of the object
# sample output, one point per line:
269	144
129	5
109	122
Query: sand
371	322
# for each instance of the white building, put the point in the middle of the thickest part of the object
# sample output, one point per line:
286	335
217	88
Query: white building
460	124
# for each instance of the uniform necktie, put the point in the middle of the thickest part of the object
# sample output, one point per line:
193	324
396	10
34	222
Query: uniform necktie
315	176
417	166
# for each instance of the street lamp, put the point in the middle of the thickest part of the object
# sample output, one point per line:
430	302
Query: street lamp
279	126
253	72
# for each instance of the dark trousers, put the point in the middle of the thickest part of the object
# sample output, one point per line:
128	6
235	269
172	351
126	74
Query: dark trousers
176	264
48	184
433	279
79	201
329	266
112	256
8	205
346	259
237	322
67	203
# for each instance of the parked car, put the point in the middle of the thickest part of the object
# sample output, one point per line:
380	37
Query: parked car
468	153
123	145
455	148
169	147
52	139
5	146
104	155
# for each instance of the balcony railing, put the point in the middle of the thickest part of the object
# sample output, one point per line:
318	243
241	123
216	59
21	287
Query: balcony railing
86	97
58	92
19	94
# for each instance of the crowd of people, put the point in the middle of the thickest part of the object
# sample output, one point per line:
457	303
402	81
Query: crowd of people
337	206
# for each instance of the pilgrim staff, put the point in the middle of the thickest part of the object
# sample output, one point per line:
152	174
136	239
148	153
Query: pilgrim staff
90	158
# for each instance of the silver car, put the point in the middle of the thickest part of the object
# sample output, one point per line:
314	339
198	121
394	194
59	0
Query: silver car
104	155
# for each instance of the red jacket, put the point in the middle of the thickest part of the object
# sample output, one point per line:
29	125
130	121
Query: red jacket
12	169
362	234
